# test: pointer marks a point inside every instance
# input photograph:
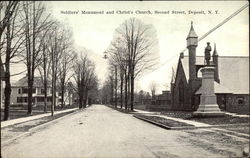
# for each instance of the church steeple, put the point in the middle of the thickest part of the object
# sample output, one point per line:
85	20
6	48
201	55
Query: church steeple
216	64
192	42
192	33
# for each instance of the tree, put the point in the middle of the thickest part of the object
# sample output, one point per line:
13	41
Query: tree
138	42
11	48
65	64
85	78
45	68
153	87
35	21
9	8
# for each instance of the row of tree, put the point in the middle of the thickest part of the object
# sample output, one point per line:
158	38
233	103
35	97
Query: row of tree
132	51
29	34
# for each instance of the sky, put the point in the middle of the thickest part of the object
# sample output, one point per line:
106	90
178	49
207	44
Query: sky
95	31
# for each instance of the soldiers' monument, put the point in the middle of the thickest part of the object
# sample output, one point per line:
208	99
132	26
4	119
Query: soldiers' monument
208	102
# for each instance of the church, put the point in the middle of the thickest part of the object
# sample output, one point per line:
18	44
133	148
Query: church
231	79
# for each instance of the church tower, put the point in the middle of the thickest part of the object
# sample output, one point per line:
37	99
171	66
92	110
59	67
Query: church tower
216	64
192	42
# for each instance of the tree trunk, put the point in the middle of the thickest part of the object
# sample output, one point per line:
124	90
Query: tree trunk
30	87
80	93
85	98
45	81
129	92
112	92
62	99
121	75
7	89
115	86
132	91
126	91
80	101
7	93
45	95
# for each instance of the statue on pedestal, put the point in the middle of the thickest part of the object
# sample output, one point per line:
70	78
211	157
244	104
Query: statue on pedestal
207	53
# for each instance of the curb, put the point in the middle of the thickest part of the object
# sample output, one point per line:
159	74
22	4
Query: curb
29	132
47	123
189	127
165	126
37	117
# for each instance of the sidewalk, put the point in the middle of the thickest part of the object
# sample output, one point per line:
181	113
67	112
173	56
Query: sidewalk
24	119
237	115
194	123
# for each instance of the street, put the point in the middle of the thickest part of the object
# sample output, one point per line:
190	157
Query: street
101	132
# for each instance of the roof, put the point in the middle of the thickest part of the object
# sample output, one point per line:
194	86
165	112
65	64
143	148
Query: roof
233	73
23	82
192	32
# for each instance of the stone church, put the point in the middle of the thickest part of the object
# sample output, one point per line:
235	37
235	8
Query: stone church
231	79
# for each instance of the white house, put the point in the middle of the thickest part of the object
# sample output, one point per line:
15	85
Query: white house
19	94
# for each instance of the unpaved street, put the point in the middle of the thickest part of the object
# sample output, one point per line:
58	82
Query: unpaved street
102	132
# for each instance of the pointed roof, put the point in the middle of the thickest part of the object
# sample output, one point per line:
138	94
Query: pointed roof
215	51
192	32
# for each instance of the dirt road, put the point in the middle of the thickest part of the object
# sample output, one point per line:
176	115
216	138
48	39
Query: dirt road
102	132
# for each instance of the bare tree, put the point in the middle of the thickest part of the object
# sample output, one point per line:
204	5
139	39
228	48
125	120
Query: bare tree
36	21
139	42
66	63
12	48
118	60
8	8
45	69
85	78
55	50
153	87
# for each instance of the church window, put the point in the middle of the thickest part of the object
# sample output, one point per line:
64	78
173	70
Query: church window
240	100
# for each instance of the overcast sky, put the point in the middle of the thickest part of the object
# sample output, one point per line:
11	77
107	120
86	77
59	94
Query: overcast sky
94	32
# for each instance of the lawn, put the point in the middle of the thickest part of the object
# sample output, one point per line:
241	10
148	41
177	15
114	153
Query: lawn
227	119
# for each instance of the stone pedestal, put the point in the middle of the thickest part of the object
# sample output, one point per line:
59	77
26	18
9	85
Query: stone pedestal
208	102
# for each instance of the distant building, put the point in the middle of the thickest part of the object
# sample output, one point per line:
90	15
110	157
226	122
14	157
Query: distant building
161	102
231	79
69	95
163	99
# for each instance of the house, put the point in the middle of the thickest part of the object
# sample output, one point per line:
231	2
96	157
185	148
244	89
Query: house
231	79
69	95
19	94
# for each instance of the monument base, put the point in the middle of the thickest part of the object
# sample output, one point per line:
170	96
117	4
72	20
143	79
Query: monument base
208	110
208	114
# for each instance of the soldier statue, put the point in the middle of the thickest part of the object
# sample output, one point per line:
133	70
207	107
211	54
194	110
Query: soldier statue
207	53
